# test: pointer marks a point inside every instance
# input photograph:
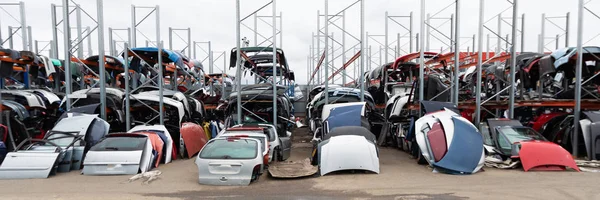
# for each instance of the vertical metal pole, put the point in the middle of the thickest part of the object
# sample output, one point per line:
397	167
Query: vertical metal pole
422	56
79	31
133	28
130	38
173	83
161	106
362	51
36	50
67	58
543	32
210	57
101	59
428	33
126	78
344	48
194	49
567	26
23	25
54	33
10	37
386	37
456	52
326	52
280	30
370	62
523	33
487	52
225	72
480	47
557	41
1	40
399	48
189	44
170	38
417	42
473	44
89	40
506	44
256	29
451	33
318	47
410	33
29	39
540	41
111	47
499	38
332	59
275	114
312	53
238	74
577	110
381	59
513	57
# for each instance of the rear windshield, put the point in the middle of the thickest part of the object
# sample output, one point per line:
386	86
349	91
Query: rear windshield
62	139
263	140
120	144
229	149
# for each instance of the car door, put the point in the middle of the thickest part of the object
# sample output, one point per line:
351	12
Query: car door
286	145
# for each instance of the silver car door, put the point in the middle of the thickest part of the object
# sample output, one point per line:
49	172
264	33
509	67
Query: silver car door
28	165
286	145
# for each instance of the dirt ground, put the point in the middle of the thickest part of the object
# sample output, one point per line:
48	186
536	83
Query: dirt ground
400	178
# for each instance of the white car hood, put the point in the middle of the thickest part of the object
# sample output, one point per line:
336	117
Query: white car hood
348	152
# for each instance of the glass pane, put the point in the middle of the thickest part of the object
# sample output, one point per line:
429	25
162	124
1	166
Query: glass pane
229	149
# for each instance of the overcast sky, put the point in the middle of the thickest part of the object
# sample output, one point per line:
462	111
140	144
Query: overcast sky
214	20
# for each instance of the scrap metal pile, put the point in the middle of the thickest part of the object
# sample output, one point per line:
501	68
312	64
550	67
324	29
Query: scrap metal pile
539	138
47	129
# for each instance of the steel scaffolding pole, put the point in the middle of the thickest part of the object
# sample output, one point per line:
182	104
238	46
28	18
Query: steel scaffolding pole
127	89
319	44
456	53
513	57
67	56
160	68
238	60
422	56
479	63
362	50
577	109
326	51
275	115
101	59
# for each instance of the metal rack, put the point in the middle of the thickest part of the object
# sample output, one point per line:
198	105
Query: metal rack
239	53
320	56
77	43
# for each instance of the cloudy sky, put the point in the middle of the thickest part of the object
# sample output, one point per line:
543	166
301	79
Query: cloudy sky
214	20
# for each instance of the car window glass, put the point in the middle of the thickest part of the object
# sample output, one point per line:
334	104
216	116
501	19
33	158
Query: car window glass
485	132
229	149
120	144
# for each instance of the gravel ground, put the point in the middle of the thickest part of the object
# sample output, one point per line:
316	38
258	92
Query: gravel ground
400	178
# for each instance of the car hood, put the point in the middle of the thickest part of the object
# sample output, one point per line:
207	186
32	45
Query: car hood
348	152
539	154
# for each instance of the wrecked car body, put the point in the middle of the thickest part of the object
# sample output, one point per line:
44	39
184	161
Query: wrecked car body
450	143
118	154
229	161
510	140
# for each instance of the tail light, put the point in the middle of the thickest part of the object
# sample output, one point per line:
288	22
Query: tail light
266	159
